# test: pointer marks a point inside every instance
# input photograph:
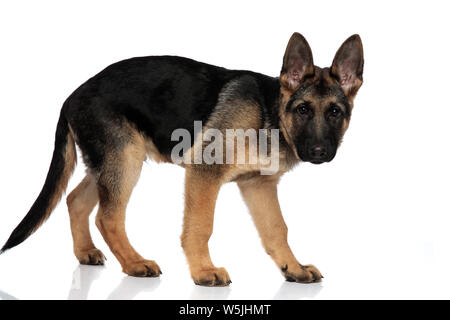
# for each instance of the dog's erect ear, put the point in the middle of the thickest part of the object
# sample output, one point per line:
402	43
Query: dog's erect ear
297	62
348	65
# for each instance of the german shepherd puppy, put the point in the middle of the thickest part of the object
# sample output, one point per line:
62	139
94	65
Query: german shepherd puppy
128	112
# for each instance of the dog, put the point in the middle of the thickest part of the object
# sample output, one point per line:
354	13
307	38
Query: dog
128	112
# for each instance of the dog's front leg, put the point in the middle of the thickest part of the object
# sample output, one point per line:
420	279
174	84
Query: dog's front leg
201	190
260	195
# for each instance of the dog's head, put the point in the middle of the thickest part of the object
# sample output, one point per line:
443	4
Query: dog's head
316	103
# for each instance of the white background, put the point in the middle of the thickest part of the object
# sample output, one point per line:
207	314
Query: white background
375	220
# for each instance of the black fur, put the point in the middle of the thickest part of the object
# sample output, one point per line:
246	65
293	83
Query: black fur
158	95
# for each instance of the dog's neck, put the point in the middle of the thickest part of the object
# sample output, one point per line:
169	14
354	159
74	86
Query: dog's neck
273	100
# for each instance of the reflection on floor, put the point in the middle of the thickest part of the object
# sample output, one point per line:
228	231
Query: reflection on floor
5	296
292	290
129	288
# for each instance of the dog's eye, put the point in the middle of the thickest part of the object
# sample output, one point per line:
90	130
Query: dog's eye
303	108
335	110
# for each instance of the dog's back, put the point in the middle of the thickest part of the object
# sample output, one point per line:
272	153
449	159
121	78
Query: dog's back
149	92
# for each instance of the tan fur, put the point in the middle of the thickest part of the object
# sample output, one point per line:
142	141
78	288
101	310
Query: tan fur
245	115
230	113
239	114
153	153
260	195
200	198
286	121
113	187
80	202
202	185
116	183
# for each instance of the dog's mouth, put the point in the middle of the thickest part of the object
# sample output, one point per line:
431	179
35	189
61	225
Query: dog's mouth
317	161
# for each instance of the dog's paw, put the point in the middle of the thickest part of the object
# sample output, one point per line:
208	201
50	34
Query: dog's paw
143	268
212	277
301	274
91	257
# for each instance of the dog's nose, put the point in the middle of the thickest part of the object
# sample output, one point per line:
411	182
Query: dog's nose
318	152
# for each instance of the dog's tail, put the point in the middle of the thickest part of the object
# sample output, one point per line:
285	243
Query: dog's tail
61	168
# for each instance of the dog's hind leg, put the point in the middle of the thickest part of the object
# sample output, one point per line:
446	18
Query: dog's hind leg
80	202
117	178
